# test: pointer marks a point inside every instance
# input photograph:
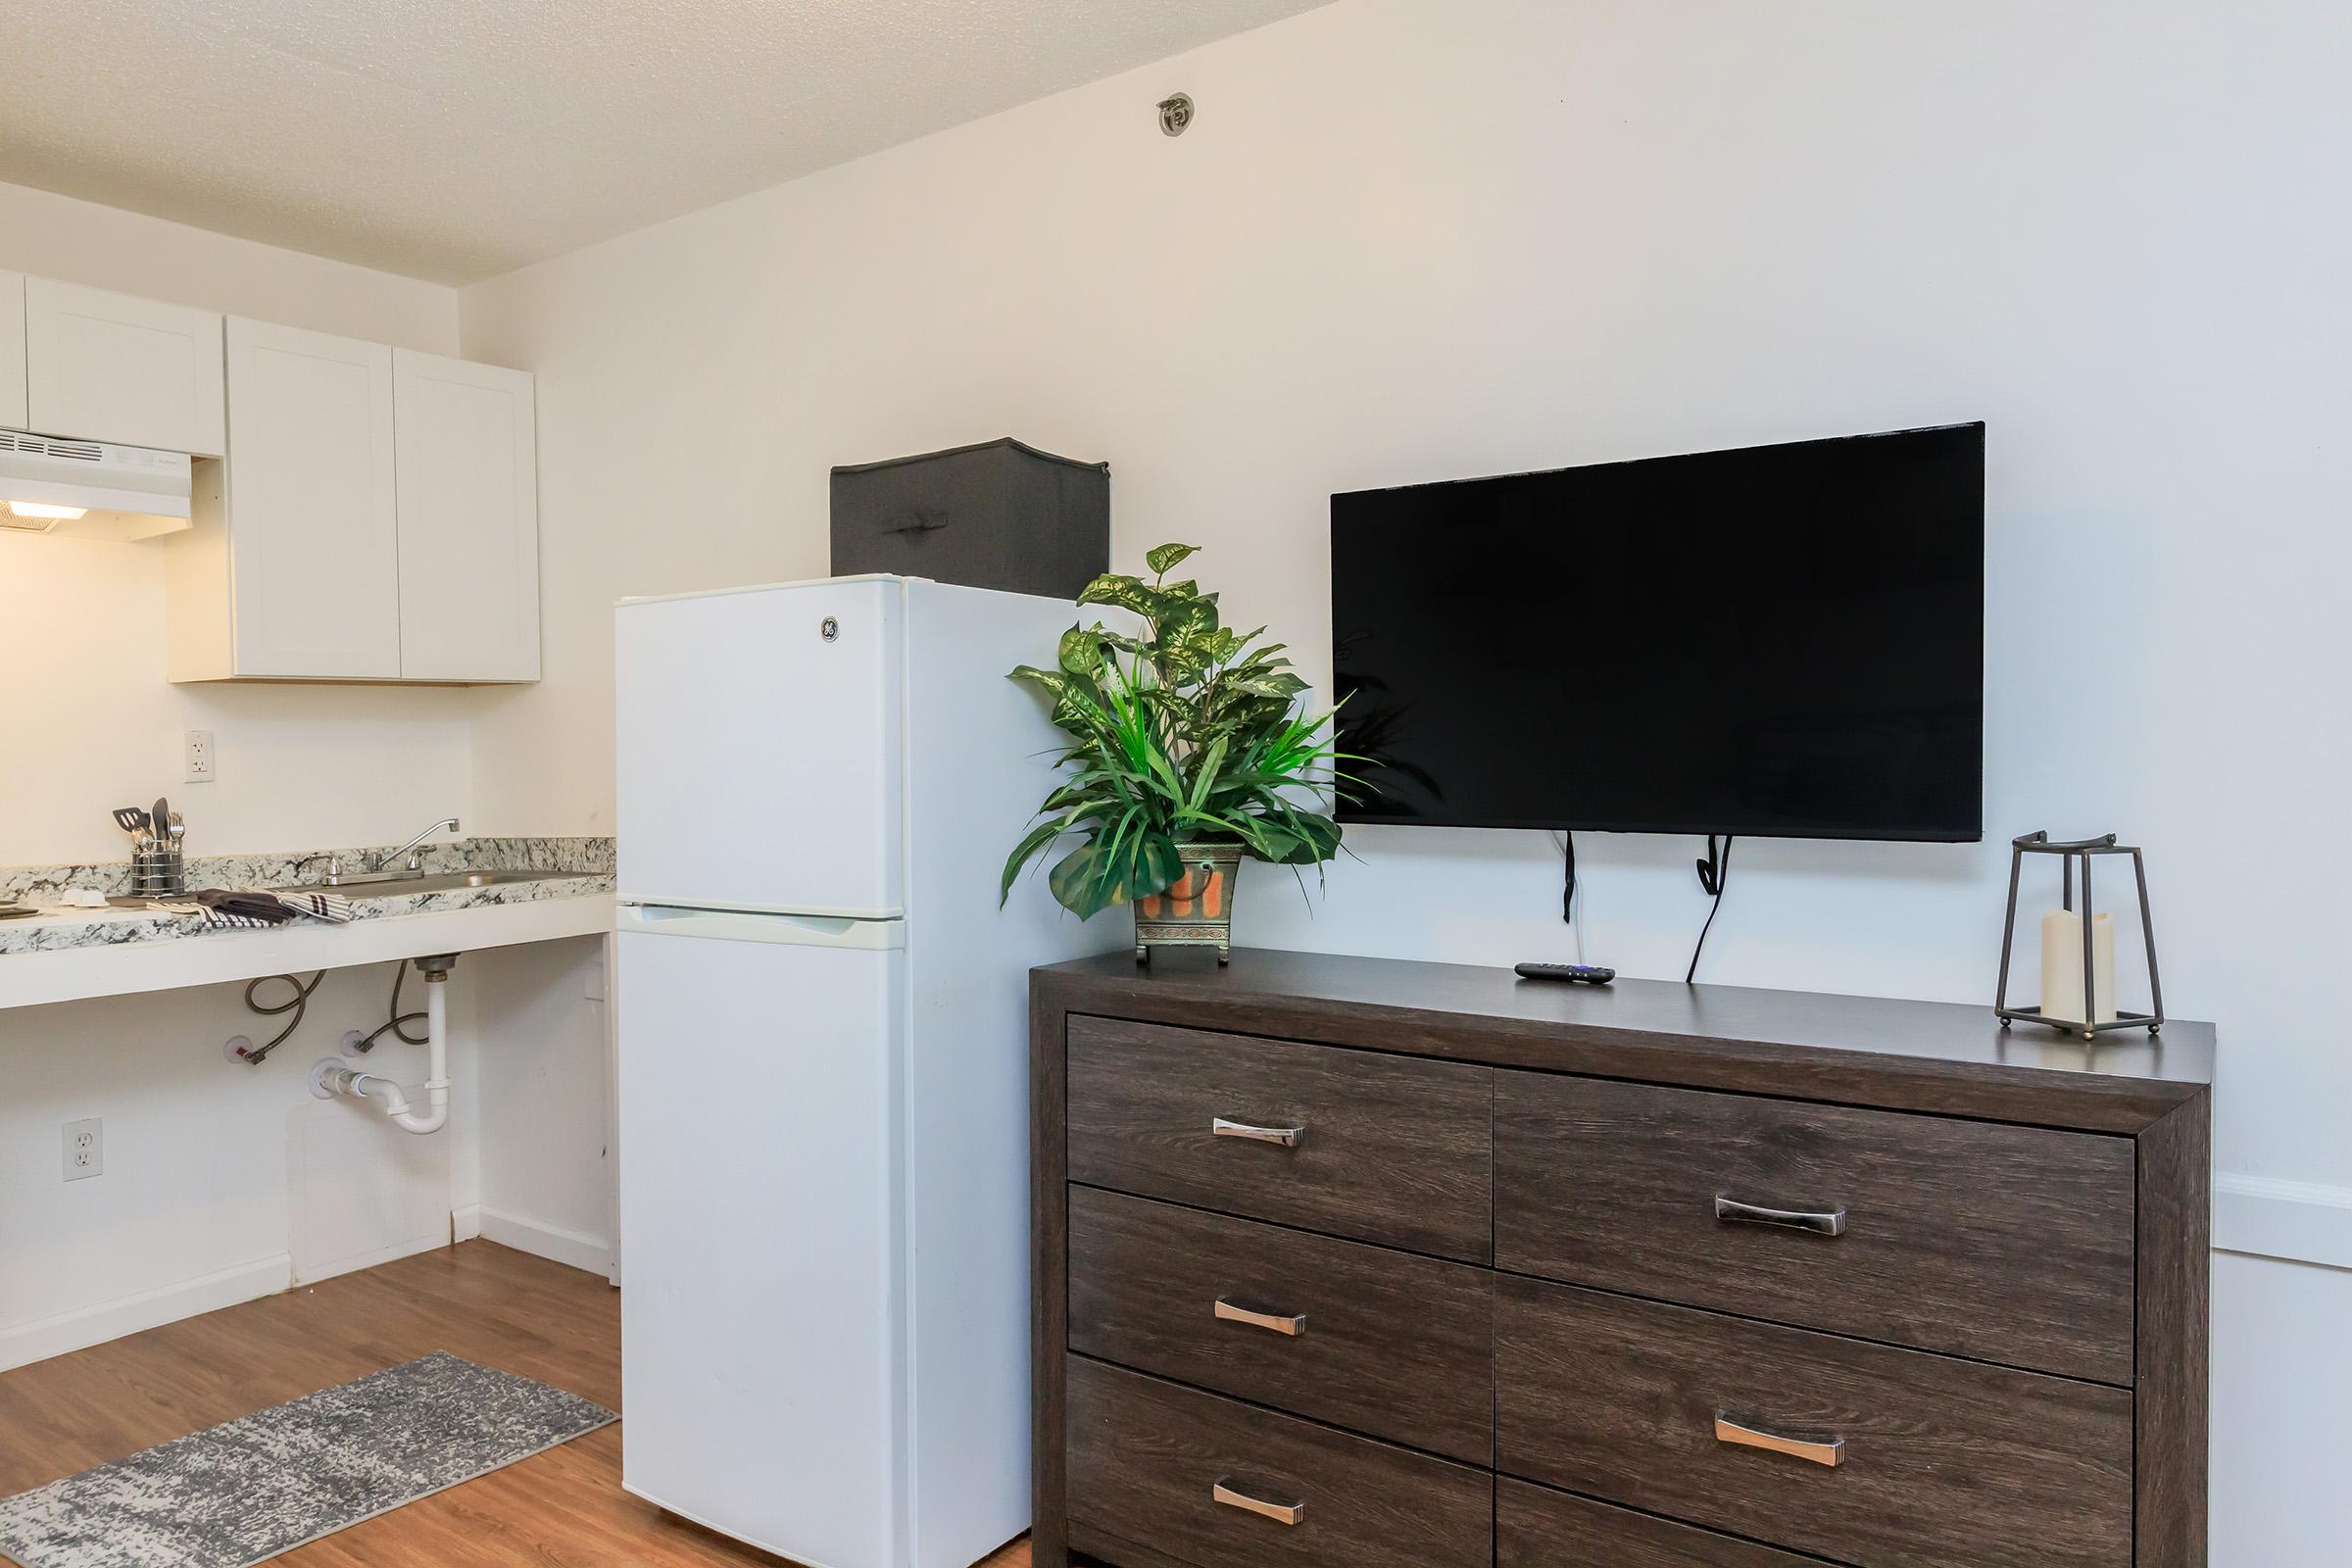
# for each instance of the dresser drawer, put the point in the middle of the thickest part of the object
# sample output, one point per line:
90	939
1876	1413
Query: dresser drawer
1206	1480
1392	1345
1382	1149
1940	1464
2004	1243
1538	1528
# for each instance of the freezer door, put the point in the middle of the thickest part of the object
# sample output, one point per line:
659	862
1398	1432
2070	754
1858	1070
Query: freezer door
757	1081
758	740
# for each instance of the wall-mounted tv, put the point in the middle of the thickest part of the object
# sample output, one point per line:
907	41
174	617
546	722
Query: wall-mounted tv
1783	640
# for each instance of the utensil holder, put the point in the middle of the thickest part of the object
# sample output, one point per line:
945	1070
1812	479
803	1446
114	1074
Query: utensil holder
158	872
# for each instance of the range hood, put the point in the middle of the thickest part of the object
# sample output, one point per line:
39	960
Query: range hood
91	490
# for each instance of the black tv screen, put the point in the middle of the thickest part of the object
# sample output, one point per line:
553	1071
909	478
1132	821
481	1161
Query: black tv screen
1785	640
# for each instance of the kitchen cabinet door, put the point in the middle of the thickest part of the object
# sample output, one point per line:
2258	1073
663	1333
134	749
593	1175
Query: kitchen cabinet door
467	455
11	351
115	369
313	552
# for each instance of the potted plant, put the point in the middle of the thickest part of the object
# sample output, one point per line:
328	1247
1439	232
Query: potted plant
1189	753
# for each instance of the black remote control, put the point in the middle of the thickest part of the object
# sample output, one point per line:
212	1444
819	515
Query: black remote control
1590	974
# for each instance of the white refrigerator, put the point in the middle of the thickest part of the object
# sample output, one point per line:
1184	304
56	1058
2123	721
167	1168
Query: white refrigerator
823	1070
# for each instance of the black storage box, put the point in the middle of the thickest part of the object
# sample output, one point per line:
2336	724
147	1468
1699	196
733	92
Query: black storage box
1000	514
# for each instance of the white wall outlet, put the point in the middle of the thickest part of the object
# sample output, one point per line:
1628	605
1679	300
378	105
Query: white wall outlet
86	1150
203	766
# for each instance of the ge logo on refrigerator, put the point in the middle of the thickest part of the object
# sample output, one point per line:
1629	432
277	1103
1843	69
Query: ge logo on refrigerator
829	629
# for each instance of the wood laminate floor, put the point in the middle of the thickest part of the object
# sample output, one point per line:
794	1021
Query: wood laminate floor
502	1308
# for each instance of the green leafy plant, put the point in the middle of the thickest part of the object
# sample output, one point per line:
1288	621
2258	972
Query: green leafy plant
1184	732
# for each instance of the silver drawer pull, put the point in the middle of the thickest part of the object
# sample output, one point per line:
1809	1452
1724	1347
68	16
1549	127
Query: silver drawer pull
1829	1451
1227	1312
1282	1513
1287	1136
1827	1222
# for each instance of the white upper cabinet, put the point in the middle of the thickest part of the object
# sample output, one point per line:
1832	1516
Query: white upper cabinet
466	443
364	513
131	372
311	533
11	351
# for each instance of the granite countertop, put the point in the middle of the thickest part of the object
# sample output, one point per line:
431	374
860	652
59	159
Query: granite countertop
585	866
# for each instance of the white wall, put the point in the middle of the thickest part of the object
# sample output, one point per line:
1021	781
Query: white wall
1411	241
2281	1386
222	1181
545	1099
103	247
92	724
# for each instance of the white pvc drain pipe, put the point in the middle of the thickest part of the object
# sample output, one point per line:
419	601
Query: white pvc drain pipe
335	1078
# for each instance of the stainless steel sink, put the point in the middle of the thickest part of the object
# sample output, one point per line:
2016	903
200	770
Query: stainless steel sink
357	879
449	881
386	884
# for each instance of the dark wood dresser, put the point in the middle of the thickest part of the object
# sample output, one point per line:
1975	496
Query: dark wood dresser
1353	1263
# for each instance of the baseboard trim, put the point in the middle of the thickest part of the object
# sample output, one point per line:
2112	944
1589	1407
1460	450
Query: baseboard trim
2302	1222
573	1249
86	1326
466	1222
376	1259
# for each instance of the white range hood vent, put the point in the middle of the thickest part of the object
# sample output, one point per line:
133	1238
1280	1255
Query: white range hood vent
91	490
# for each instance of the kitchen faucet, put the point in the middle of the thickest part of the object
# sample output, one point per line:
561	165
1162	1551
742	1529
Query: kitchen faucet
375	866
415	862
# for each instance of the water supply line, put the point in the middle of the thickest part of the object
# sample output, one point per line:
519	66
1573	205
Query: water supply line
334	1077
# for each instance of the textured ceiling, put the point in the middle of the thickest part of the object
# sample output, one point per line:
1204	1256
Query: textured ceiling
455	139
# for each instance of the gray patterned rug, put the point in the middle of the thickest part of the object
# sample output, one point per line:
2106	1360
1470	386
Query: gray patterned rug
248	1490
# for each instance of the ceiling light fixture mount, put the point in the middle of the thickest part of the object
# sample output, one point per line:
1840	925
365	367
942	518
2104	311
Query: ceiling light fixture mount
1175	114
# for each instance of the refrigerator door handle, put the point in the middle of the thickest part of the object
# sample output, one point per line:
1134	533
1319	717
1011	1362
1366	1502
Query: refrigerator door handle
789	930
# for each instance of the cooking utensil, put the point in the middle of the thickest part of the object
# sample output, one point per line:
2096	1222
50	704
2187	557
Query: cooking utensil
130	818
160	819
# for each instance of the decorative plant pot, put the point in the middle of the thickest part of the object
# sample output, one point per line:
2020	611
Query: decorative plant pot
1196	910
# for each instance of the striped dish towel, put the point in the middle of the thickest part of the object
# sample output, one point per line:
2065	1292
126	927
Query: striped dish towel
232	909
319	906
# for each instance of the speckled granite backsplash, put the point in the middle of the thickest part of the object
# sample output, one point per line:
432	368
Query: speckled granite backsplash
587	857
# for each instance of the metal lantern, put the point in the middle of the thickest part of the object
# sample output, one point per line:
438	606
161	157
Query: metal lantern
2074	854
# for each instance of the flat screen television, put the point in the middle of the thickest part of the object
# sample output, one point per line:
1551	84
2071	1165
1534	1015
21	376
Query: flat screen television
1783	640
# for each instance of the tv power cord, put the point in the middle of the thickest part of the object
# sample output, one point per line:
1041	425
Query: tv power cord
1713	873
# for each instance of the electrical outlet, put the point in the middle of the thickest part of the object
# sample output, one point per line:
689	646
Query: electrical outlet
198	753
86	1150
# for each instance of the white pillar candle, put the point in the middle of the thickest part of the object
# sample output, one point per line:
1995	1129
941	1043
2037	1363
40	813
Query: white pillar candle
2062	967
